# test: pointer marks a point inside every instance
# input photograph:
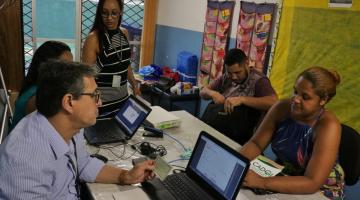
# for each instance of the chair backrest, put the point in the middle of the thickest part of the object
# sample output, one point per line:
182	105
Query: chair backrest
6	113
4	116
349	154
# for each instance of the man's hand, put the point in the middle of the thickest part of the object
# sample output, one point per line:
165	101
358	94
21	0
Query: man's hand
231	102
217	97
139	173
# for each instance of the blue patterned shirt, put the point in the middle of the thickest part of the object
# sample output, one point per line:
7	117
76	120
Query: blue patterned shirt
35	162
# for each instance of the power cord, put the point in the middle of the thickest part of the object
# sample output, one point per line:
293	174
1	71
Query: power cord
121	155
177	160
186	154
149	149
176	140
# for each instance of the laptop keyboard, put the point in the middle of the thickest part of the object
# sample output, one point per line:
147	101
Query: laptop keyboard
179	186
107	130
108	135
104	132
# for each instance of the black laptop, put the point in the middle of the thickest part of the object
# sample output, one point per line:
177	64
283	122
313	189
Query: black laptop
122	127
214	171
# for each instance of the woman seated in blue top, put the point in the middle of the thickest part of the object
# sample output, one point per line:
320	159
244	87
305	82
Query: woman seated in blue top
304	136
25	102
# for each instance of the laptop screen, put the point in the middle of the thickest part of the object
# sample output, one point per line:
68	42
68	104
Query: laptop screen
219	167
131	114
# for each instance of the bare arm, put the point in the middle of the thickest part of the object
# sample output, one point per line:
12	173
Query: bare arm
126	32
207	93
327	134
211	91
262	137
264	97
259	103
130	74
90	49
140	173
133	82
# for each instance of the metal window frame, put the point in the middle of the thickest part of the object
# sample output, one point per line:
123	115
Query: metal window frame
78	41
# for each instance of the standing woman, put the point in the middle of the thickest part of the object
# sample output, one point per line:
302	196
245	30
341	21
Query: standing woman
305	137
107	47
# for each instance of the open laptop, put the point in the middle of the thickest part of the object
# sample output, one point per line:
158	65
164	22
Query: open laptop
122	127
214	171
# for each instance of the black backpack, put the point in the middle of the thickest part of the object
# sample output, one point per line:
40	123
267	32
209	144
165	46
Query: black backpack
239	125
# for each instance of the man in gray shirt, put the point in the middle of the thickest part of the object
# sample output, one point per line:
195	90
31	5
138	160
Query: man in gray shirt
241	95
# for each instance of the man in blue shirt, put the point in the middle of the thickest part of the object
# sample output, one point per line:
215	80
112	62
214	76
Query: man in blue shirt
44	157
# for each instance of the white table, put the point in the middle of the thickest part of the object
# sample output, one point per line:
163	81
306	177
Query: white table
187	133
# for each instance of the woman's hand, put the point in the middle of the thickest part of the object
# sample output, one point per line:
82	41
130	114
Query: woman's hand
136	91
253	180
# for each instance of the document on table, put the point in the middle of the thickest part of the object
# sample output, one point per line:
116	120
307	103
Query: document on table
162	168
136	193
265	167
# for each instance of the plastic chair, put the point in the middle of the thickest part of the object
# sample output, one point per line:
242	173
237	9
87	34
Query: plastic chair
349	154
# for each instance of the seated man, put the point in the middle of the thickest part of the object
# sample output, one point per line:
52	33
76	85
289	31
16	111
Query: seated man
239	96
44	157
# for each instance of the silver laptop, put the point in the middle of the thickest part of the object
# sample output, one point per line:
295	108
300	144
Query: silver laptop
122	127
214	171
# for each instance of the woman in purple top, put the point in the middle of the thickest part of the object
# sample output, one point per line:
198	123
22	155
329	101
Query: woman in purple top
305	138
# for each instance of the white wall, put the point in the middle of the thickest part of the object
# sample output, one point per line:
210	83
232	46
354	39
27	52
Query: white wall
186	14
190	14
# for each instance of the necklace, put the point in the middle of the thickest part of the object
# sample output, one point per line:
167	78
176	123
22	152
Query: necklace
112	45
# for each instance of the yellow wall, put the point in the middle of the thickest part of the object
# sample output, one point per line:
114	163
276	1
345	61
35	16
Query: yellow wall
311	33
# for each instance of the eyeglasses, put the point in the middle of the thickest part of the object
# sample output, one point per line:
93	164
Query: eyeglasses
96	95
112	14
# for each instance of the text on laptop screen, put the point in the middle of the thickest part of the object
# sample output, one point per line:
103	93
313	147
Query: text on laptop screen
131	115
218	167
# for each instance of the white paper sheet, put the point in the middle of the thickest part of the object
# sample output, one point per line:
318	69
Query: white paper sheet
136	193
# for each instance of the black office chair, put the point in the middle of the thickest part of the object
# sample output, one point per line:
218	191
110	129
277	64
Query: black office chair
349	154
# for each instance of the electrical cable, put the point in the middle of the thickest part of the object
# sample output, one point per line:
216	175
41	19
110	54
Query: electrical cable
176	140
106	147
115	154
149	149
176	160
134	152
179	166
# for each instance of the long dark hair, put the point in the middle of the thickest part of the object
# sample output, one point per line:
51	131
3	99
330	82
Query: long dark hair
98	22
48	50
